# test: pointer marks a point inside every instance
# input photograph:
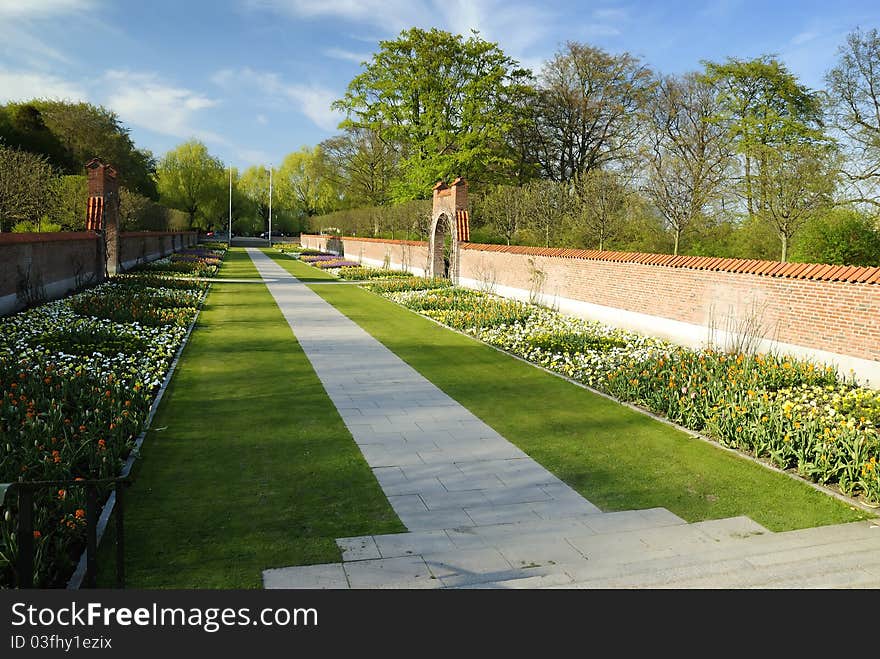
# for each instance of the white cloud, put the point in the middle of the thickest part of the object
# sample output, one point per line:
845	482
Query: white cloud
262	120
23	86
339	53
144	100
514	26
41	8
396	14
311	100
601	30
254	156
611	14
804	37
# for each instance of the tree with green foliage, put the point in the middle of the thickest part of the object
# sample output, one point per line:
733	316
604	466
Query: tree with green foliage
305	182
253	184
71	134
765	108
22	126
192	180
841	236
71	197
27	193
501	210
446	103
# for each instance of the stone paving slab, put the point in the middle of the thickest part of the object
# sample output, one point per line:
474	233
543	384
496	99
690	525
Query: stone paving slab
410	572
327	576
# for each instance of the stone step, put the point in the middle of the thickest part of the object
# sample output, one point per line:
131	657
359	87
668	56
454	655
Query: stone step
534	531
548	552
846	555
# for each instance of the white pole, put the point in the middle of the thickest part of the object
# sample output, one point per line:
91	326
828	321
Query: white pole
229	235
270	206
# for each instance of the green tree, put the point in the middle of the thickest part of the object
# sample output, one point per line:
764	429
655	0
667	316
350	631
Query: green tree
22	126
765	108
192	180
501	209
87	131
71	197
842	236
445	102
27	190
304	182
254	187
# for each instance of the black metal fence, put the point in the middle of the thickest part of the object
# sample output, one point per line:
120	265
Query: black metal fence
25	533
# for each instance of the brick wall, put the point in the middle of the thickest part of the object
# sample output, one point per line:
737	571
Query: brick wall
411	255
51	265
827	313
836	316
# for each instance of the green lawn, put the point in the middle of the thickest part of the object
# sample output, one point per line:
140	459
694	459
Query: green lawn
616	457
248	465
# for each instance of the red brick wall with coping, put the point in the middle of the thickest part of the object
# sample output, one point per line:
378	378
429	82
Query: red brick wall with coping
819	306
59	261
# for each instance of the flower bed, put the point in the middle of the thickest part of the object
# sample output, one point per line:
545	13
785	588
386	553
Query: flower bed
312	259
195	262
359	273
77	379
798	415
408	284
334	264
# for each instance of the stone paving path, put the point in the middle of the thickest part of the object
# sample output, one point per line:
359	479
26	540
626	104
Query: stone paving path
481	513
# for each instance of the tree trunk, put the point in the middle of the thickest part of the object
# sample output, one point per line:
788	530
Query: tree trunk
784	257
677	237
749	200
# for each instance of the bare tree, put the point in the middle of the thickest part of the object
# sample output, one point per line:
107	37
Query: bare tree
502	209
361	165
587	109
799	181
854	89
602	202
546	205
687	156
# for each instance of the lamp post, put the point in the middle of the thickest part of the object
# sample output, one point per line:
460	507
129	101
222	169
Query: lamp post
270	205
229	235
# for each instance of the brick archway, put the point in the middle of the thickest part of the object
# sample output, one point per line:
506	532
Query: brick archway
449	217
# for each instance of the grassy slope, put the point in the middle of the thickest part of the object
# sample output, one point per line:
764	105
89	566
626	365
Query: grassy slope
248	465
617	458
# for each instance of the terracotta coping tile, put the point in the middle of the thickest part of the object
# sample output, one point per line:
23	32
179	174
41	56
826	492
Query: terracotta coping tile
813	271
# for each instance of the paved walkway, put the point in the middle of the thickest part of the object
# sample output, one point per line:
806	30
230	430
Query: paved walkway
481	513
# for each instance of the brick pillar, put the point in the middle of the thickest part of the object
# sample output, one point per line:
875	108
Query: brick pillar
103	211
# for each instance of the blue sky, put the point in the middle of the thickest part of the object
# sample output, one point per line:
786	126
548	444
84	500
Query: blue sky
253	79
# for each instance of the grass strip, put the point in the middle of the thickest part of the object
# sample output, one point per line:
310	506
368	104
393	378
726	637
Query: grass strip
247	465
614	456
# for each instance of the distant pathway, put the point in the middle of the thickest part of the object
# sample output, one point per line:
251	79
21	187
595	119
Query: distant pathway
480	512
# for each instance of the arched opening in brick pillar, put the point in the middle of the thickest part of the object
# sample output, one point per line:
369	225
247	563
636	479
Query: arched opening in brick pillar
449	227
442	253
